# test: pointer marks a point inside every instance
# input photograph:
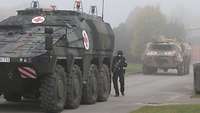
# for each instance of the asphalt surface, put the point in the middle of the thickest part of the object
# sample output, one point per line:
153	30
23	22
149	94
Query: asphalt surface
141	90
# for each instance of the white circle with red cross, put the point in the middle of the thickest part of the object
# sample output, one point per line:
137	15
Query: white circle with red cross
86	41
38	20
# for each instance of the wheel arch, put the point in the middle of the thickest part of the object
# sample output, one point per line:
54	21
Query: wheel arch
107	61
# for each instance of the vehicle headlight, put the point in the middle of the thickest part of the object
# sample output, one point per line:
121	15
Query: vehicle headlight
151	53
25	60
170	53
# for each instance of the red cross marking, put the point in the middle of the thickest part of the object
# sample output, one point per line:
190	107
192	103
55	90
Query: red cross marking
85	40
38	19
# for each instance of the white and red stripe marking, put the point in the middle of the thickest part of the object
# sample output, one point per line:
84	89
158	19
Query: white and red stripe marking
27	72
86	41
38	19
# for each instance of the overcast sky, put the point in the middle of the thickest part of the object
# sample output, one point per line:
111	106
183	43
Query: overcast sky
116	11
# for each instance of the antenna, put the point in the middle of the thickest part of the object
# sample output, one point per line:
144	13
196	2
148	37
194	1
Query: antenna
53	7
93	10
102	9
35	4
78	5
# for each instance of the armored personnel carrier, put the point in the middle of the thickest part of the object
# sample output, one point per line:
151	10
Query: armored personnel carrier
61	58
166	54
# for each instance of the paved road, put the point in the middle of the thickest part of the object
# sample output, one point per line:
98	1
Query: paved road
162	88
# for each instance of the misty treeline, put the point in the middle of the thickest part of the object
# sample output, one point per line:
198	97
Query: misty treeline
142	26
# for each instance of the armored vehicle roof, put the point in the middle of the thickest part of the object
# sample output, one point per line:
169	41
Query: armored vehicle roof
53	17
164	44
37	11
20	36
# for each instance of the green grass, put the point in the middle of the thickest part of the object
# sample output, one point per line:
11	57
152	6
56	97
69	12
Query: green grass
195	96
133	68
170	109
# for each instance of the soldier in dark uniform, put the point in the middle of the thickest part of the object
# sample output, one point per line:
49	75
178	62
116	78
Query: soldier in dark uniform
119	62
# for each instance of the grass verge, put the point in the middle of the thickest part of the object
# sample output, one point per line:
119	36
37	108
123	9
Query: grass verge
195	96
133	68
194	108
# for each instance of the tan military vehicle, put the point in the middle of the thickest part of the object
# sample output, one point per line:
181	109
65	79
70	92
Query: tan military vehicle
166	54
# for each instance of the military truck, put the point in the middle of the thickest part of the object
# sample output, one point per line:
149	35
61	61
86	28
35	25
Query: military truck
166	54
60	57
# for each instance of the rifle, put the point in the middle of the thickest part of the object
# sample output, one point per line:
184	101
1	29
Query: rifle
117	65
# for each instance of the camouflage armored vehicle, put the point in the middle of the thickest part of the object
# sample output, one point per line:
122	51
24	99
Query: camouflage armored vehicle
165	54
61	58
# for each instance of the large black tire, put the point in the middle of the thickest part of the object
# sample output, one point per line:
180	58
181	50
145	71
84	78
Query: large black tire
180	69
196	70
145	70
154	70
12	97
74	88
90	86
53	91
165	70
187	68
149	70
104	83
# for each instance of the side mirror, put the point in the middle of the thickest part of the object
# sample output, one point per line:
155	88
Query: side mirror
48	38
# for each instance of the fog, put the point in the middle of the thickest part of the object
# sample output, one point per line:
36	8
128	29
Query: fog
117	11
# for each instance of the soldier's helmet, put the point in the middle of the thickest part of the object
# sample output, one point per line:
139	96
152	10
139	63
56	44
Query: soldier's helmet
120	53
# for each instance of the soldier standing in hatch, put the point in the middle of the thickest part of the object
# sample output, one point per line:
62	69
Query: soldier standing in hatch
119	62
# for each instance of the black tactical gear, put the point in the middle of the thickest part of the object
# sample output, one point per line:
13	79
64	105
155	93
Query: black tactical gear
119	52
119	62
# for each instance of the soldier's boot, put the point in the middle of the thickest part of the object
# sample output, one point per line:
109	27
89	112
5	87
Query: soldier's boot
122	93
121	80
116	94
